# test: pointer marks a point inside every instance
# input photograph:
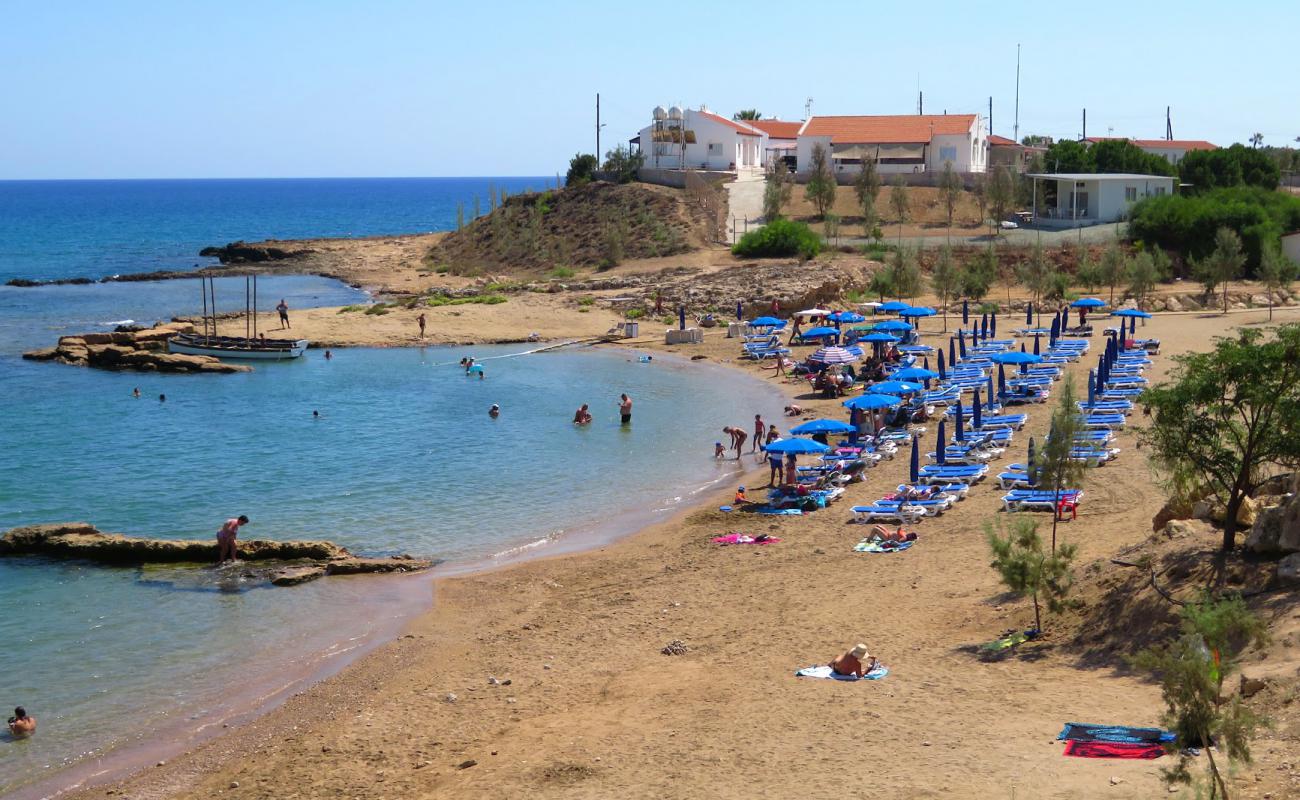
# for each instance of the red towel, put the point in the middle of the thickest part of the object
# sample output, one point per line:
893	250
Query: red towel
1112	750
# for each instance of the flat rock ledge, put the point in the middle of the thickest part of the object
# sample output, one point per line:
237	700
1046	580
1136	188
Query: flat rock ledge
142	351
288	563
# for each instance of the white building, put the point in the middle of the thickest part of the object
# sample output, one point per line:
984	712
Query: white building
1172	150
782	139
1074	200
700	139
900	143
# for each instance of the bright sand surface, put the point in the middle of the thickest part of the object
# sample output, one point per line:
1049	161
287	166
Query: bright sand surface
593	709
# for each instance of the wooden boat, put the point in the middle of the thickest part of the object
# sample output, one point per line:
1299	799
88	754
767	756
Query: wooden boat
196	344
251	345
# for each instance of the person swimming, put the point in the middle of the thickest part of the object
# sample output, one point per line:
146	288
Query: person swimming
494	411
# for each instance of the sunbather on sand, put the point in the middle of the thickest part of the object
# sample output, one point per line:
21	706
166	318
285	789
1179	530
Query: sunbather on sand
882	534
856	662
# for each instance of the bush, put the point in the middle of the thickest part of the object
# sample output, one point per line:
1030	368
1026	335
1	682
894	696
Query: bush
781	237
1188	223
582	168
478	299
561	272
622	164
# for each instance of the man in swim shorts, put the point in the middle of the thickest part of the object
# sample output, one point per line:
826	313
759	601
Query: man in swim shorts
226	548
20	724
760	428
625	408
738	438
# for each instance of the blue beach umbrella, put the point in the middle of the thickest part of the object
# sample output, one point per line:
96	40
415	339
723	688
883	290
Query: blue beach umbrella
681	317
914	374
763	322
879	337
952	351
797	446
917	311
740	311
965	312
892	325
1092	387
993	324
961	345
1029	314
977	419
1029	466
1015	357
989	393
846	316
1036	345
942	443
896	387
822	426
872	402
1130	312
960	435
984	326
914	474
1088	302
1002	380
818	332
894	306
943	373
1056	330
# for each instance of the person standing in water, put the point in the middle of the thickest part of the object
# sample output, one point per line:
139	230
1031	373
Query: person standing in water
283	308
136	392
21	724
625	409
227	550
494	411
582	416
760	428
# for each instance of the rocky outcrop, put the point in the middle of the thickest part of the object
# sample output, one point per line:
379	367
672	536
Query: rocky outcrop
141	350
1276	530
290	562
243	253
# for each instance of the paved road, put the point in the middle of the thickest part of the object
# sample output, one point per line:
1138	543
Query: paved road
745	200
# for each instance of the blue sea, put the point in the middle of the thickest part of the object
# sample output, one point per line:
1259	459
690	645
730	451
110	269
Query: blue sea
402	458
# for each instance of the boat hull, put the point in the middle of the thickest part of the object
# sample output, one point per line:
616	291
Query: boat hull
230	347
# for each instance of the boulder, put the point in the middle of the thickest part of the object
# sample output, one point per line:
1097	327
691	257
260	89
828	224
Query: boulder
153	335
1288	569
358	566
72	341
296	575
97	338
81	540
44	354
1215	511
1189	303
1175	508
1259	300
1172	304
1276	530
1252	686
108	354
1178	528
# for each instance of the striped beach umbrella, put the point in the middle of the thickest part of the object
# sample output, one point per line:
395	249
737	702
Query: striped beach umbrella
833	355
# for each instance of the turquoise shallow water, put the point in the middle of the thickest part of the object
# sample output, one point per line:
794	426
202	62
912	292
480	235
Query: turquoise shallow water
404	458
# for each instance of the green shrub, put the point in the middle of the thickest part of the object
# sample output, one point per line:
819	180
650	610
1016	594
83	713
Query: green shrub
351	309
634	313
437	300
1188	223
378	309
779	238
562	272
586	300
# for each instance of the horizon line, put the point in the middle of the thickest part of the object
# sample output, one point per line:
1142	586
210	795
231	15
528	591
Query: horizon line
286	178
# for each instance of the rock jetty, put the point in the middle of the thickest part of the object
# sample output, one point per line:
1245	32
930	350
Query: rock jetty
287	563
142	351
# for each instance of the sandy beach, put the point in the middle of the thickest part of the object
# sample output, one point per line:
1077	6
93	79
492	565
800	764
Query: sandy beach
594	709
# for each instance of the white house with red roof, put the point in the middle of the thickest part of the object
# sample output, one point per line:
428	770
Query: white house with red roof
1172	150
782	138
904	143
700	139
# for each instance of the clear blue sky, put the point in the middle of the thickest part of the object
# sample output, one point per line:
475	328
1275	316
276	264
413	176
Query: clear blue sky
97	89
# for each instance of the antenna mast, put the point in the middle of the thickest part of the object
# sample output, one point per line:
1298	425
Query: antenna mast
807	109
1169	125
598	127
1015	132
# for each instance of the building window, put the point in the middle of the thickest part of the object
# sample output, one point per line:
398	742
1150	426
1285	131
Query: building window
715	148
1130	194
947	153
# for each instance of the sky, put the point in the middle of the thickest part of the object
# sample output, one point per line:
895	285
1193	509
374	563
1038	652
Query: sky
275	88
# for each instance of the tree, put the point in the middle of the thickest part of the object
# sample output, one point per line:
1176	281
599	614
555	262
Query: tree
1142	276
950	192
1087	271
1001	193
882	283
1227	167
747	114
777	191
1111	270
1223	264
906	274
1121	155
1256	139
1227	414
1191	670
902	207
980	188
831	226
1035	272
1276	272
622	164
979	273
820	189
1068	155
1027	571
945	280
867	187
1055	468
582	169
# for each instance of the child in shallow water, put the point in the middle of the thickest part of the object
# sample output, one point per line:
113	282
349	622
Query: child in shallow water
719	451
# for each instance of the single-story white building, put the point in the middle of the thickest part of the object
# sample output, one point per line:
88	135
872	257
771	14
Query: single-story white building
699	139
897	143
1075	200
1172	150
782	139
1291	246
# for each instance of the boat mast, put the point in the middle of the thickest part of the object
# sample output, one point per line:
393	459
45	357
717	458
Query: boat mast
203	290
212	285
254	304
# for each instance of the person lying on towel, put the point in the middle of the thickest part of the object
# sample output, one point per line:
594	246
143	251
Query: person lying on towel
856	662
882	534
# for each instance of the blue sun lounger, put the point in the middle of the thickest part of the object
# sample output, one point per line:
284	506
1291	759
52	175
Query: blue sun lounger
1013	421
906	514
956	490
1038	500
934	473
1103	420
1106	406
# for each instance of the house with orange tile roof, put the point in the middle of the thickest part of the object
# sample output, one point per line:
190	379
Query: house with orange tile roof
699	139
782	139
1172	150
902	143
1016	156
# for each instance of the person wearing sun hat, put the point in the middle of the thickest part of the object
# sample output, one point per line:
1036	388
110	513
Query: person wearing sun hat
740	496
856	662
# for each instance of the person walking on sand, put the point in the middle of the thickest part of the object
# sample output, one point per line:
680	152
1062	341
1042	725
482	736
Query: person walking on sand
760	428
283	308
738	438
420	320
20	724
227	550
625	409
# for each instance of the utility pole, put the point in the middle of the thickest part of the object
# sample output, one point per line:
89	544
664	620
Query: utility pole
1169	125
1015	133
1085	126
598	127
990	115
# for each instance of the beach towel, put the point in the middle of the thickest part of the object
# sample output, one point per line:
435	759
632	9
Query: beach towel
1113	750
1008	641
741	538
1118	734
779	512
873	546
825	671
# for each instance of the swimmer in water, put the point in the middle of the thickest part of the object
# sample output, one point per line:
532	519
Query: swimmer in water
494	411
582	416
135	392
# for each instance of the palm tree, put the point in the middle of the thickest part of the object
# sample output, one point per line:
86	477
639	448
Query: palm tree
1256	140
748	114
